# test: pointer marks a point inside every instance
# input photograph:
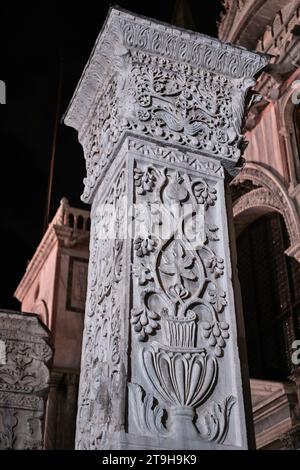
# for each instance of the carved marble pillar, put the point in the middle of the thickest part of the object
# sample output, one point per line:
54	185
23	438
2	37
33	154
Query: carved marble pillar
24	380
159	113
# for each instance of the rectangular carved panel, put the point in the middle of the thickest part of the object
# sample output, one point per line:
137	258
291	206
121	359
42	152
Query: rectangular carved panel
77	284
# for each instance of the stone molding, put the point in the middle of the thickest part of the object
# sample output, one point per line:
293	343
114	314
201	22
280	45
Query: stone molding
274	405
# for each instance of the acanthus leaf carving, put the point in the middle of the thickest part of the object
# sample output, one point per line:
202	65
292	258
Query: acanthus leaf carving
213	423
148	415
183	284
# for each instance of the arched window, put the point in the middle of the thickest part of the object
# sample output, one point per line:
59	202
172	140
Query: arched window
270	286
80	222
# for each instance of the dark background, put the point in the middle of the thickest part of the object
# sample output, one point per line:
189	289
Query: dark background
35	37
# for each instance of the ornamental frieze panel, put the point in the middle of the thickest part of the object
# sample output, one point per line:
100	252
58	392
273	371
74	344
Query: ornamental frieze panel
179	317
102	372
172	102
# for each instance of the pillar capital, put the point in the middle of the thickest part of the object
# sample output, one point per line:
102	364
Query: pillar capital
175	86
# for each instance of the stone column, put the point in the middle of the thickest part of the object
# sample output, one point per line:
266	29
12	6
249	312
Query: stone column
159	113
71	384
25	357
50	436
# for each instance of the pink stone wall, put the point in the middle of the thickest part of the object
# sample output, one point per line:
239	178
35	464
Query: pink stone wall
265	143
40	295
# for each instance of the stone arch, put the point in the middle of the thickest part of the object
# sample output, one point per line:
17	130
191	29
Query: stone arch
266	194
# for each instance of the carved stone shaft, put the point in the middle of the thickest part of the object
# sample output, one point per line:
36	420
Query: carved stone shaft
159	113
25	354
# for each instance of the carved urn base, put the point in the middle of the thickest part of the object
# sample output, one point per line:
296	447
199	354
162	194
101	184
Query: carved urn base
182	422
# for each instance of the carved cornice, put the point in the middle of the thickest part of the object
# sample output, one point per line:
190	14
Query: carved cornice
272	400
123	31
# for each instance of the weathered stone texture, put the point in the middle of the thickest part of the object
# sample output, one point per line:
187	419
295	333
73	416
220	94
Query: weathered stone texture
24	380
159	113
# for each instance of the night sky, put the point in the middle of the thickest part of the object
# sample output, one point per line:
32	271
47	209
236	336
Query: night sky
35	38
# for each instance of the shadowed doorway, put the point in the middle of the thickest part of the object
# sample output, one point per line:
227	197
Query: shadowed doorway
270	286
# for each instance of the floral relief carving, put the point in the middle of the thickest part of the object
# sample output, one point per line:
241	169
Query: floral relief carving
24	380
182	281
168	100
185	106
144	180
215	265
145	322
205	194
159	112
144	246
143	273
102	373
178	264
216	334
216	297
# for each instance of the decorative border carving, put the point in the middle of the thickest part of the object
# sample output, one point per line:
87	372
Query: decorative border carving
172	155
